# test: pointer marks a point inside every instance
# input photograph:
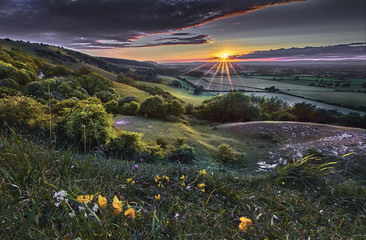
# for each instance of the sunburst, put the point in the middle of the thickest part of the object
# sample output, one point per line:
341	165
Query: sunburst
223	65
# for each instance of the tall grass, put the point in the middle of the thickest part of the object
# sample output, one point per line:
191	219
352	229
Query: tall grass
300	200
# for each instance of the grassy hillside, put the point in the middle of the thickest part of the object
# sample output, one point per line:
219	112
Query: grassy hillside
59	198
184	94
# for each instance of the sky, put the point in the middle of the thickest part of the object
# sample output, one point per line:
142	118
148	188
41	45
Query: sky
192	30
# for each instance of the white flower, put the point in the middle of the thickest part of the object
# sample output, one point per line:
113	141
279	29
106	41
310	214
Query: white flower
72	214
95	207
81	208
176	215
60	196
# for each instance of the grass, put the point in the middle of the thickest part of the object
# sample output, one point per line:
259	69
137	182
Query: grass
306	199
199	135
185	95
127	90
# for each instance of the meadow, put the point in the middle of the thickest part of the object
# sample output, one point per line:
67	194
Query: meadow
71	196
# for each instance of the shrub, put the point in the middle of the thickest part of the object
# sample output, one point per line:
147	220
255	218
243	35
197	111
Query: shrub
226	154
175	108
162	142
23	113
130	108
98	123
9	83
180	141
183	154
122	78
285	116
111	107
304	111
126	145
152	107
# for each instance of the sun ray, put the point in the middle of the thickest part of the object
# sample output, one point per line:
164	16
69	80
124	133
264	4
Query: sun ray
236	73
197	67
222	74
217	69
207	72
228	74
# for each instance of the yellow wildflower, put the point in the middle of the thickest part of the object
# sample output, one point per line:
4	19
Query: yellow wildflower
133	183
203	172
167	179
183	184
157	197
203	190
129	180
84	199
160	185
130	212
117	204
283	182
201	185
157	178
102	201
182	177
244	222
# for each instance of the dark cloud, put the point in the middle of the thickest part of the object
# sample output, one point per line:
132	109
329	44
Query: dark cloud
352	50
116	23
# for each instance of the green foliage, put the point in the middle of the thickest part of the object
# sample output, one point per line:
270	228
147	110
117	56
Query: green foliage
180	141
290	202
232	107
152	107
162	142
9	83
183	154
111	107
130	108
122	78
285	116
126	145
126	99
304	112
98	123
56	71
23	113
226	154
175	108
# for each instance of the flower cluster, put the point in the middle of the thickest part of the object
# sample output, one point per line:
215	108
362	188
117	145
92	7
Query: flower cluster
244	222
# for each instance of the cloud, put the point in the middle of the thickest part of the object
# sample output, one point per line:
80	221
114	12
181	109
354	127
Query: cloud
115	23
341	51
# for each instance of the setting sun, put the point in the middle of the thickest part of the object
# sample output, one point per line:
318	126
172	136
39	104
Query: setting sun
224	56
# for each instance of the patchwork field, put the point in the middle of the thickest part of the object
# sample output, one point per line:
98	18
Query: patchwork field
328	95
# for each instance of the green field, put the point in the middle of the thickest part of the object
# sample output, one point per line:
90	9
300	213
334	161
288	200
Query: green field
184	94
127	90
328	95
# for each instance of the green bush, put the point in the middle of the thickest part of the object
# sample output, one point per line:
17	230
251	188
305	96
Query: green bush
98	123
126	145
126	99
23	113
122	78
9	83
152	107
226	154
183	154
285	116
111	107
175	108
130	108
162	142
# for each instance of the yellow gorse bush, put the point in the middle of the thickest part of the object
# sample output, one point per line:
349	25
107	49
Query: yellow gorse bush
203	172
